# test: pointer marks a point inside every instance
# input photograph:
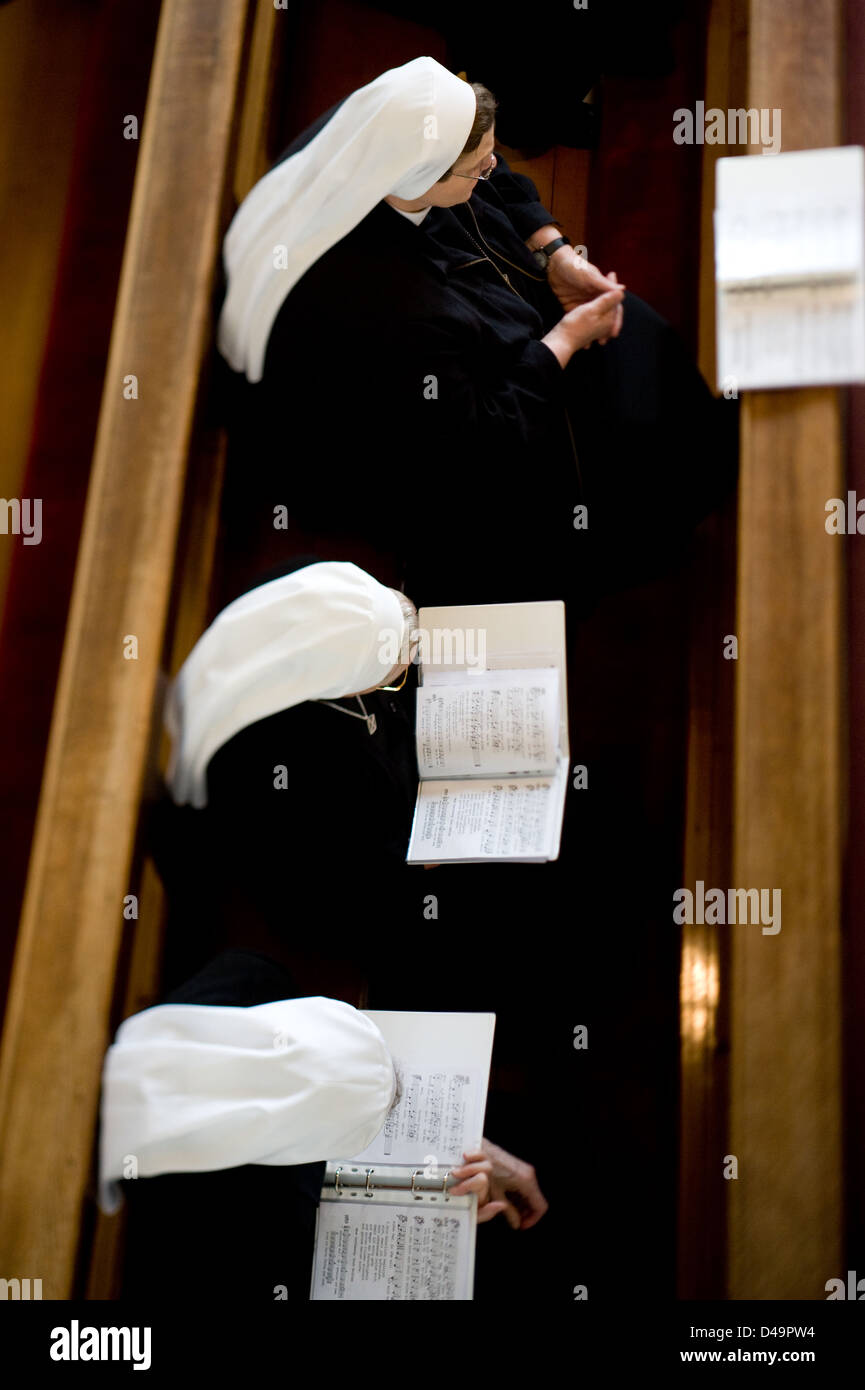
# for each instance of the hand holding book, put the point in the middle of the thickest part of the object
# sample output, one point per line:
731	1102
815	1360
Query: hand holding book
503	1183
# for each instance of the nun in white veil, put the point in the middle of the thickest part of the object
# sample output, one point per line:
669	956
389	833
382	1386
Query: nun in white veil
395	136
402	321
293	775
397	329
219	1109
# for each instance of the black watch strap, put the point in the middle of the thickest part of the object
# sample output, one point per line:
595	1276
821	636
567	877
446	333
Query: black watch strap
544	254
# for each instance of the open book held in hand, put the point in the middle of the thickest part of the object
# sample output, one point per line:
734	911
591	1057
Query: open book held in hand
387	1228
492	734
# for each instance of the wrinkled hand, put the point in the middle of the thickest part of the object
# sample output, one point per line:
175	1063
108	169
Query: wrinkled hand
575	281
503	1183
592	322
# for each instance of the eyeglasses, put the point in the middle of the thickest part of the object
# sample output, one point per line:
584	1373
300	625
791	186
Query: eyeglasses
412	657
397	687
484	176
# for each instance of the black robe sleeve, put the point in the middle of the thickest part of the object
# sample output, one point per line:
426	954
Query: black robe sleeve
520	197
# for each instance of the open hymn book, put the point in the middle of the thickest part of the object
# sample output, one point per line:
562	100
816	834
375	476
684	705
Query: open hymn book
387	1229
492	734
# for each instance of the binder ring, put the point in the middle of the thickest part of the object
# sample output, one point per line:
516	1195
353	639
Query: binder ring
414	1189
336	1183
445	1185
368	1190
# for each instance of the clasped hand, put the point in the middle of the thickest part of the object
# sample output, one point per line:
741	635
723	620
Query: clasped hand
575	281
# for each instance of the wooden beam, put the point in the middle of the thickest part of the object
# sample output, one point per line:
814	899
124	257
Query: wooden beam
252	154
785	1207
193	581
63	980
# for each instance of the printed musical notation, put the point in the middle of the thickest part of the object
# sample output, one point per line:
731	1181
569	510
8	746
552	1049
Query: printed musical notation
432	1115
393	1254
502	723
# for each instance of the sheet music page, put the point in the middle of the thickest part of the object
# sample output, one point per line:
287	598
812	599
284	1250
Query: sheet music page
392	1253
790	268
471	638
494	818
443	1062
498	723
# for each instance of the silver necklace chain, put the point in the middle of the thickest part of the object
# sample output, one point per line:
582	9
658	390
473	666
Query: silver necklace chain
477	245
369	718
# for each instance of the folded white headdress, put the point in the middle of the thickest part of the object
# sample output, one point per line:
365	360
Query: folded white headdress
193	1088
326	630
319	633
397	135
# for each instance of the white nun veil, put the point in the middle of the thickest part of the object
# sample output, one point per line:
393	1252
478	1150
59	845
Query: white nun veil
323	631
397	135
193	1088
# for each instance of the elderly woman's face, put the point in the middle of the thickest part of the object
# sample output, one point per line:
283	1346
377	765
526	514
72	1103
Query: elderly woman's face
456	189
459	190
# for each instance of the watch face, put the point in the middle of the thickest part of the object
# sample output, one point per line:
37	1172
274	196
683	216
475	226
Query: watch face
541	258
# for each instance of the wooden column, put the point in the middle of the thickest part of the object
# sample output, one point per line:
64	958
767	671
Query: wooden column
785	1207
58	1015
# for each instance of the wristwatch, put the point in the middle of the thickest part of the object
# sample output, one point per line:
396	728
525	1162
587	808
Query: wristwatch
544	254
